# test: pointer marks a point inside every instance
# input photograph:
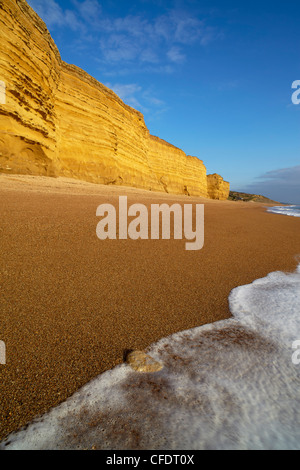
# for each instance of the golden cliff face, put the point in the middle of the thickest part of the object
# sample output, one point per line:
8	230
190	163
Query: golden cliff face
100	139
29	66
176	171
59	121
217	188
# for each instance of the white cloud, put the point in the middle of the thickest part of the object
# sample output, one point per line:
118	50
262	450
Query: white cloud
128	93
187	30
134	95
175	55
89	10
136	38
150	56
160	41
49	11
124	91
119	47
54	16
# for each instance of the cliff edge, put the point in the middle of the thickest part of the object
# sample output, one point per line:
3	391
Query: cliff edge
56	120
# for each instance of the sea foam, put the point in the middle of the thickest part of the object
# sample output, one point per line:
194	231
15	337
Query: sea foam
227	385
292	210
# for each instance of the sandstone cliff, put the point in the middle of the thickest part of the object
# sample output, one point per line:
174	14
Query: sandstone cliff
59	121
217	188
177	172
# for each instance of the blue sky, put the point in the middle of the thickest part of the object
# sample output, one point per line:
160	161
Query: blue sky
213	77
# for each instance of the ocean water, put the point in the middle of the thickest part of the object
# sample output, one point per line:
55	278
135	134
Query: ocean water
292	210
233	384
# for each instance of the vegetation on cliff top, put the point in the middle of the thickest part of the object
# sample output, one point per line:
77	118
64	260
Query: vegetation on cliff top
236	196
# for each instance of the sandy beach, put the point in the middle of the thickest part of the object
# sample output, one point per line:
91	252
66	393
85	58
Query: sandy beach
70	304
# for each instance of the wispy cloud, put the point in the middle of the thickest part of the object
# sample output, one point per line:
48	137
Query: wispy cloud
281	176
282	185
175	55
128	93
143	100
49	11
89	10
119	48
161	40
54	16
127	45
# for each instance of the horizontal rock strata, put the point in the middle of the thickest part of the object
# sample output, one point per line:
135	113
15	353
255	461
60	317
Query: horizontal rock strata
59	121
217	188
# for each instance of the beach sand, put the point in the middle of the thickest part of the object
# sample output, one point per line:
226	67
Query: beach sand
70	304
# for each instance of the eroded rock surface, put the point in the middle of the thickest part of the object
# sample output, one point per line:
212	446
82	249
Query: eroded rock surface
59	121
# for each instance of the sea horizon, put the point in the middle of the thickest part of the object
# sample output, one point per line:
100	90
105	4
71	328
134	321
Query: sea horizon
144	302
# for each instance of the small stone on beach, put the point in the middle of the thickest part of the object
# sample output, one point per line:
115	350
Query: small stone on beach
141	362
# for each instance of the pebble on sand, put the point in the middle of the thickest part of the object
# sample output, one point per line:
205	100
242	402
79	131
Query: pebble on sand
142	362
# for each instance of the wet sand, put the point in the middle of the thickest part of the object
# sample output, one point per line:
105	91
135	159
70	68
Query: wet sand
70	304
